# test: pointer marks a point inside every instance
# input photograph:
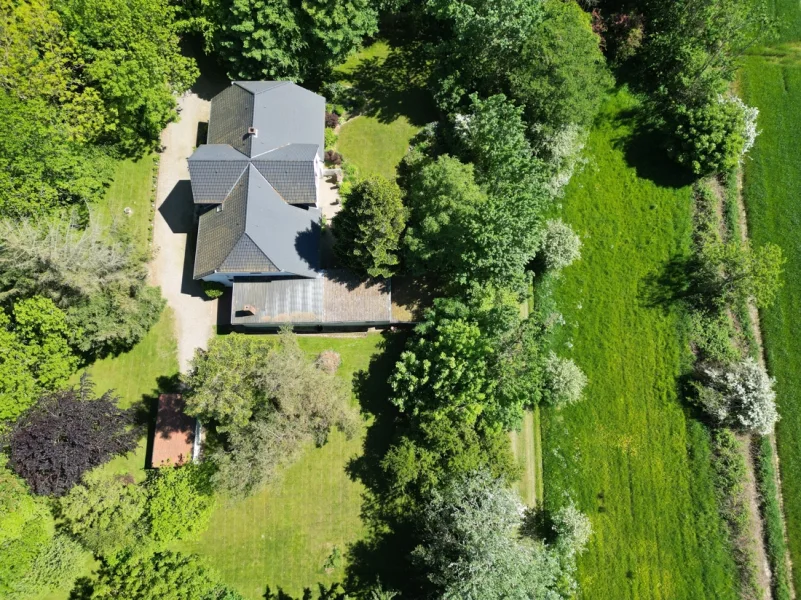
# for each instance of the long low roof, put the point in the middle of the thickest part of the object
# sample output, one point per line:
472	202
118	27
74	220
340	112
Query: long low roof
336	298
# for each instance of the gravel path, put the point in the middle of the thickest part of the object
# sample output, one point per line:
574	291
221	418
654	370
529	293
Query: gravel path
174	230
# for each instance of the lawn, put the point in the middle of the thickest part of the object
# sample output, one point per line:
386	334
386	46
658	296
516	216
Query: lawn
771	80
132	188
396	106
283	536
629	455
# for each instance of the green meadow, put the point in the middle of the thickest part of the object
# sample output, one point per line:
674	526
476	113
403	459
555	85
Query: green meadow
629	455
771	81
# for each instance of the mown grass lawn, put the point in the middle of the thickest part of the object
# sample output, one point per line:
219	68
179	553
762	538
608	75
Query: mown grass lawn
132	188
771	81
628	454
397	105
283	536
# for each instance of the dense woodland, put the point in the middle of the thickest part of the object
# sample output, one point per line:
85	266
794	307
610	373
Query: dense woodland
474	213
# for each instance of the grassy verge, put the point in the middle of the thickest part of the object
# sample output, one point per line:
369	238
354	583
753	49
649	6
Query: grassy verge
527	450
629	455
285	535
771	81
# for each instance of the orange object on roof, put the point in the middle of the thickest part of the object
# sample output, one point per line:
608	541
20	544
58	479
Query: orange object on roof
174	440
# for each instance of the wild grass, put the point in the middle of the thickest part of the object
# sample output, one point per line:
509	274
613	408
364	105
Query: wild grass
772	180
629	455
285	535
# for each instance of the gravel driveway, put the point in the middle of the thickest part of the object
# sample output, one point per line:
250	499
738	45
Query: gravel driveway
174	230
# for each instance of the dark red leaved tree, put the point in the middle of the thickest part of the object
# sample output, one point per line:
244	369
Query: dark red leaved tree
68	433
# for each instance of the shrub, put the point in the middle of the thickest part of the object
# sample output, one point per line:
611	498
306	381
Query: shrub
573	529
59	562
564	379
330	138
333	158
711	136
179	503
331	120
713	335
739	395
561	246
328	361
212	289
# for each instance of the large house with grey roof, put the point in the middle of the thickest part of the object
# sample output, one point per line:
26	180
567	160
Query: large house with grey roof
256	183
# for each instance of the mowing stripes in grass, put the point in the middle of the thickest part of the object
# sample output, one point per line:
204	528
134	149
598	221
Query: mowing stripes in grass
283	535
771	191
628	454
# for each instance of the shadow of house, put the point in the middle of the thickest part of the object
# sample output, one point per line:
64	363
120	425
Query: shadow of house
178	209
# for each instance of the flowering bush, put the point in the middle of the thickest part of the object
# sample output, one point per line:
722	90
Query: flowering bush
561	246
565	380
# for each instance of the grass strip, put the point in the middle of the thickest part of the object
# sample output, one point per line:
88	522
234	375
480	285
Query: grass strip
770	507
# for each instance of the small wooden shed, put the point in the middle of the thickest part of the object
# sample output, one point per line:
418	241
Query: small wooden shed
177	435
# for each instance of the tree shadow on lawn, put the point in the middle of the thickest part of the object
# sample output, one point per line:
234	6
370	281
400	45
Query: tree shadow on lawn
678	284
382	555
644	150
393	87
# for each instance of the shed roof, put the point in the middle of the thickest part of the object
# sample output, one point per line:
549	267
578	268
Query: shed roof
175	433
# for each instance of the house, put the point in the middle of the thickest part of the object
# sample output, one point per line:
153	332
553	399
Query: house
176	440
257	183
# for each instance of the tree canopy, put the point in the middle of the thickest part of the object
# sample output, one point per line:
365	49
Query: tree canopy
66	434
36	354
289	39
369	227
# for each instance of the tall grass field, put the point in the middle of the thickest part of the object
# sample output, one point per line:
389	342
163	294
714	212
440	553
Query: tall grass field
629	455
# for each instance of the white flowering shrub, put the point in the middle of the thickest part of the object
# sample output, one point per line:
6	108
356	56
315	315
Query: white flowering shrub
573	529
739	395
564	379
750	115
560	245
561	150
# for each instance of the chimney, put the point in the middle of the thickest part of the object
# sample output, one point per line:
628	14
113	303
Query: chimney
253	132
249	309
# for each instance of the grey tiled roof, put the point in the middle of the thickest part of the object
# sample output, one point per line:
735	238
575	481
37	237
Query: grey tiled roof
231	115
247	257
295	181
254	230
213	171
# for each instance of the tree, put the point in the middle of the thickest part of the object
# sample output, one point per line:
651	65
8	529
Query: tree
222	382
179	503
733	272
471	547
739	395
59	561
36	354
66	434
289	39
106	513
132	57
445	367
444	203
41	60
560	76
281	402
709	137
26	527
560	245
100	284
369	227
42	168
564	379
155	577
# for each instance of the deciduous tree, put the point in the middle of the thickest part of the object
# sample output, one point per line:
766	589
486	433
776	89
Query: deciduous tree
179	503
66	434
